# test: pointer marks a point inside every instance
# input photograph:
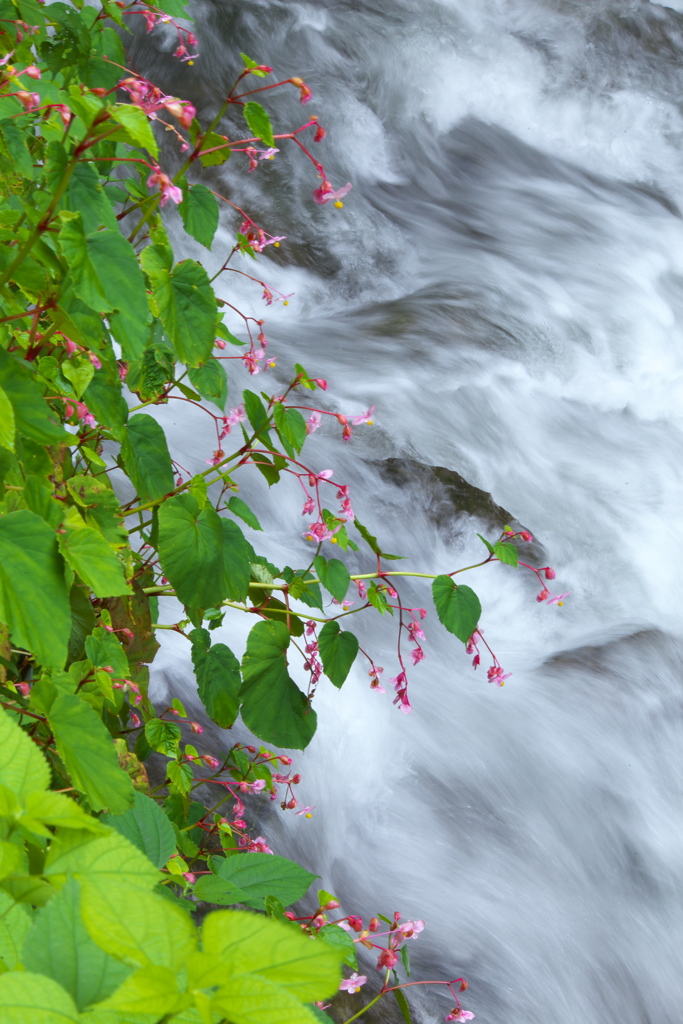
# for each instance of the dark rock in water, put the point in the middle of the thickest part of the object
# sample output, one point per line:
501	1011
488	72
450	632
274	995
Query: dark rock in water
445	493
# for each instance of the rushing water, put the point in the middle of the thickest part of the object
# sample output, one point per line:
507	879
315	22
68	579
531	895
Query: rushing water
505	282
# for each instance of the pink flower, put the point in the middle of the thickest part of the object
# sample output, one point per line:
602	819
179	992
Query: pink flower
318	531
217	457
320	382
212	762
135	719
417	655
184	111
259	845
32	71
411	929
150	18
525	535
362	589
94	360
189	877
29	100
416	632
309	505
325	193
543	595
495	675
549	573
167	188
268	154
387	958
313	422
196	728
84	415
306	811
364	417
304	92
353	984
458	1015
23	688
70	346
559	599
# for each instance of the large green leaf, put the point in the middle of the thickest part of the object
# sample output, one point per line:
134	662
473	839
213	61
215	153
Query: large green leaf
140	928
218	678
506	552
147	827
236	561
253	999
58	945
58	811
458	608
250	944
136	123
105	274
258	120
199	211
88	751
98	861
333	575
8	429
103	648
84	195
257	875
88	554
34	999
34	599
23	768
340	939
15	921
146	456
338	650
291	426
273	707
151	990
31	411
191	551
185	302
211	382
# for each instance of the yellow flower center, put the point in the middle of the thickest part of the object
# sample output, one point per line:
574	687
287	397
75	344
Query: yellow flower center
339	204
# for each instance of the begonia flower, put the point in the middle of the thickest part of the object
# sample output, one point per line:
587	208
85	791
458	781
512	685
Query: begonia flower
352	984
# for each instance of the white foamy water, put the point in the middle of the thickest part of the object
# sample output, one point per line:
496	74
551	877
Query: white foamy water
505	282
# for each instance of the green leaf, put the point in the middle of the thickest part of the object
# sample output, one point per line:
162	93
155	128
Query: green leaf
258	875
339	939
248	945
103	648
256	413
291	427
218	682
105	274
214	889
333	575
181	775
84	195
8	428
34	600
484	541
458	608
176	8
239	508
146	457
259	122
199	211
211	382
27	998
140	928
151	990
98	862
191	551
23	767
403	1006
506	552
89	555
211	140
163	736
254	999
136	124
15	142
338	650
58	946
273	707
58	811
87	749
236	561
15	921
31	411
79	373
147	827
185	302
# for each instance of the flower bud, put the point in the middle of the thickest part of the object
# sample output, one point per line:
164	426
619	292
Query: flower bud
332	905
283	759
525	535
296	779
374	924
549	573
463	985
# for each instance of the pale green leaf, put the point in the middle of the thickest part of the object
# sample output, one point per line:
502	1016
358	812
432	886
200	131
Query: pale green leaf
34	999
23	767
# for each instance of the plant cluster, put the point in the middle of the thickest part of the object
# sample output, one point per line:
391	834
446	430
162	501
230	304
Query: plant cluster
100	871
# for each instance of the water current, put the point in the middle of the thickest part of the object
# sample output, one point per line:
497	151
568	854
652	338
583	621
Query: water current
505	283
